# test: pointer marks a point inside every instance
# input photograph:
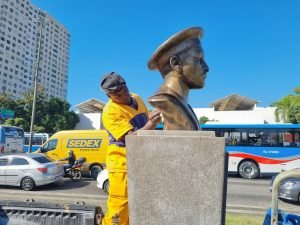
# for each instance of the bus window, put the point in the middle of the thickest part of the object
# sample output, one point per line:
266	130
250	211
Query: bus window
38	139
297	139
234	138
26	140
270	138
286	139
242	140
13	132
255	137
225	135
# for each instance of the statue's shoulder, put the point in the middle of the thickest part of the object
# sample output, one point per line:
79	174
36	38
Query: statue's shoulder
165	94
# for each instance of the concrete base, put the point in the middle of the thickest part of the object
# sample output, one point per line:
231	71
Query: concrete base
176	178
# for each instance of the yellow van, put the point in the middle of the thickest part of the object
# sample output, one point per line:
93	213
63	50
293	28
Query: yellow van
91	144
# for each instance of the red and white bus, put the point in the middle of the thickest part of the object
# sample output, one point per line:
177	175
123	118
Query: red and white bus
258	149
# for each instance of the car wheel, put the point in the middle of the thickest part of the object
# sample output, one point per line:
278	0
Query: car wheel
248	170
106	186
94	171
27	184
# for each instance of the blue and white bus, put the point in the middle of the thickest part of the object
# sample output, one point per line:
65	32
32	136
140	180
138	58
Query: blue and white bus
11	139
258	149
38	139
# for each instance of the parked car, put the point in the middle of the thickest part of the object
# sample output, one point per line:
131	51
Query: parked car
102	180
29	170
289	189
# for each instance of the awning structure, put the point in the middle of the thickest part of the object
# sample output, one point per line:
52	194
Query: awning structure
91	106
234	102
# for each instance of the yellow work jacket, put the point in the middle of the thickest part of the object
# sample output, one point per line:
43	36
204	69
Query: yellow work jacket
118	119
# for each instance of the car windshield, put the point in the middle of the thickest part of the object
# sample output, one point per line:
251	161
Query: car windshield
42	159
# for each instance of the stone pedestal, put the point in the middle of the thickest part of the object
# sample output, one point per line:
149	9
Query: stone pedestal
176	178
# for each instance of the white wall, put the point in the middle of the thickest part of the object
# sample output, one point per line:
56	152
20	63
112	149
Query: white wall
89	121
258	115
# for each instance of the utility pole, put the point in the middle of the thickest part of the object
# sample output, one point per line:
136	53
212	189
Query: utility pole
41	23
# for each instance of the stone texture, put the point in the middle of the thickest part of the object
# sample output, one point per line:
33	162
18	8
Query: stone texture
175	133
176	178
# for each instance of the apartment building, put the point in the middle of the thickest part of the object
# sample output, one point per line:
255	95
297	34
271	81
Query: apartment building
22	24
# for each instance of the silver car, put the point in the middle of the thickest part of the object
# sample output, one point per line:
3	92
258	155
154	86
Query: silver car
29	170
289	189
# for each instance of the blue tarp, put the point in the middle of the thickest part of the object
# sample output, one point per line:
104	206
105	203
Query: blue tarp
283	218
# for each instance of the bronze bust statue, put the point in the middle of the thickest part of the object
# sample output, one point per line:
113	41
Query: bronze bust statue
180	60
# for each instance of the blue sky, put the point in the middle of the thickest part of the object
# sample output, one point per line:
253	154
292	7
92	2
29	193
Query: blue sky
252	47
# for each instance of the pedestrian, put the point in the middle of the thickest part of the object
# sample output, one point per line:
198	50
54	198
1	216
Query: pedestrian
124	114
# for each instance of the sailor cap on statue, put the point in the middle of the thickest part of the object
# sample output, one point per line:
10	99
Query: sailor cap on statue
175	45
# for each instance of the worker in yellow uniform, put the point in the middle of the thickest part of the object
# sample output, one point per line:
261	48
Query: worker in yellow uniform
124	113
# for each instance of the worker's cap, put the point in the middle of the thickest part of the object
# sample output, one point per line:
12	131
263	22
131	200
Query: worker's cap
178	43
112	82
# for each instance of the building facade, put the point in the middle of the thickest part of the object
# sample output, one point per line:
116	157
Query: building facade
258	115
237	109
231	109
22	24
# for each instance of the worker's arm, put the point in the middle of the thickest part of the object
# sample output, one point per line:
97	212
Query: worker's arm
119	127
154	119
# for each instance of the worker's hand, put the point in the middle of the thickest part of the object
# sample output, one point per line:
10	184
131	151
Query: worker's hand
155	116
154	119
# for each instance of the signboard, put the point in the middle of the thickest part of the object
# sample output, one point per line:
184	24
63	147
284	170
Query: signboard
7	113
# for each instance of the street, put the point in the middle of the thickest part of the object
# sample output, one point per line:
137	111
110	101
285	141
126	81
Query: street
253	196
243	196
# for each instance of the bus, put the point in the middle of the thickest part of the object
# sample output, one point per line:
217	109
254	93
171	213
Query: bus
258	149
11	139
38	139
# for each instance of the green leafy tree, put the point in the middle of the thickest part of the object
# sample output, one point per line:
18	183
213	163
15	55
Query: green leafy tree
26	104
19	122
6	102
50	117
59	117
10	122
288	108
203	119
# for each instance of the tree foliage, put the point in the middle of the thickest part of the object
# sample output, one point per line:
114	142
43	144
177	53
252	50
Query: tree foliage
288	108
51	116
203	119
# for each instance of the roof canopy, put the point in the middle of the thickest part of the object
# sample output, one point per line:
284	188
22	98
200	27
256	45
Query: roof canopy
91	106
233	102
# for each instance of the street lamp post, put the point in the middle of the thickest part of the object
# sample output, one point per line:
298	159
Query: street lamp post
41	23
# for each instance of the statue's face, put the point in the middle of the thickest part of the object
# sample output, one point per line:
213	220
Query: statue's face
194	67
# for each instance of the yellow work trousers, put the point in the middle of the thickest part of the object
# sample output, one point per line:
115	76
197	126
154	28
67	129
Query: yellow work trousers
117	203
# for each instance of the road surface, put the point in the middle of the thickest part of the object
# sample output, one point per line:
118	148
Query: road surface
243	196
